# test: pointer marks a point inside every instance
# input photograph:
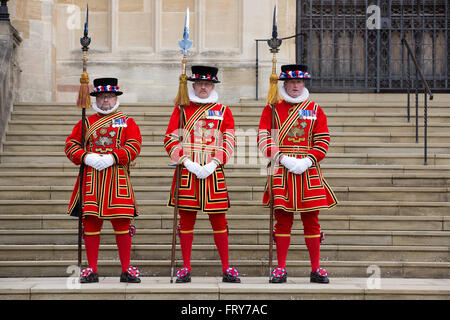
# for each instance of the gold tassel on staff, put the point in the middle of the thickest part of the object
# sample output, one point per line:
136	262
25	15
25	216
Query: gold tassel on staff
273	96
84	99
182	98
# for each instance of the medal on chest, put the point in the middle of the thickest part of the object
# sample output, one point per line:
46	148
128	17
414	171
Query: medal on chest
119	123
213	115
307	114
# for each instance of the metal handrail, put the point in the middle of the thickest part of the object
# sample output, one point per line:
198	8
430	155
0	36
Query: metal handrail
426	90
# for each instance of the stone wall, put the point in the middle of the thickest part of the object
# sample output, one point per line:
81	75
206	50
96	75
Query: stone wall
136	41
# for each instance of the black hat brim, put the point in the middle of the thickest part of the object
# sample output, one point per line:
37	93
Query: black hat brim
194	79
117	93
284	79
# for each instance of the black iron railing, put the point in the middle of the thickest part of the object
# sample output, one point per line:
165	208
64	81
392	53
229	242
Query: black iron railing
426	90
355	46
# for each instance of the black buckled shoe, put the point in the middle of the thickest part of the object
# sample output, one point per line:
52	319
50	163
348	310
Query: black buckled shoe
279	275
88	276
231	275
131	275
319	276
183	275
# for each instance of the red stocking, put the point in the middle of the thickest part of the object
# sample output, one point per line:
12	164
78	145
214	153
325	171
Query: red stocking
221	241
92	244
186	240
311	228
187	223
282	235
282	244
220	227
92	227
123	240
313	245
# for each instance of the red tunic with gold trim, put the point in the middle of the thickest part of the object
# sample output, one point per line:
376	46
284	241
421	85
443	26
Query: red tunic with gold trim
301	131
208	135
107	193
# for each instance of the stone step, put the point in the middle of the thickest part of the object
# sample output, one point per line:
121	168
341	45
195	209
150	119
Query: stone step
328	221
372	104
258	178
158	136
248	158
240	116
236	237
236	251
250	147
248	126
407	235
387	137
402	208
201	268
211	288
245	193
246	170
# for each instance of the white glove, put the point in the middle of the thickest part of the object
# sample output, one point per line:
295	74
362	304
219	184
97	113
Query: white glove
302	165
106	161
207	170
288	162
93	160
192	167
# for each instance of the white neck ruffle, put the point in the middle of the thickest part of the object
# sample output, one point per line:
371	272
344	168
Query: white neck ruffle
304	96
97	109
213	97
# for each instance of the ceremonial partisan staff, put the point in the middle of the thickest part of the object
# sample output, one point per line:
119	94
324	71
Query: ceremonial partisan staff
83	102
272	98
182	99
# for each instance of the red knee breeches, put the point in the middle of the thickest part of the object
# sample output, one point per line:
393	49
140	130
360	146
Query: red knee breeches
187	221
93	225
285	220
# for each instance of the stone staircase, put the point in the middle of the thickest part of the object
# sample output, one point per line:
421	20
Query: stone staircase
394	212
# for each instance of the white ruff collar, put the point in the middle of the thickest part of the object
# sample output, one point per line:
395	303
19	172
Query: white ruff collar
213	97
98	110
304	96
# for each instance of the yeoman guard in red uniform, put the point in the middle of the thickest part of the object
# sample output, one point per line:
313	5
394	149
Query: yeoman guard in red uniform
113	142
207	144
297	146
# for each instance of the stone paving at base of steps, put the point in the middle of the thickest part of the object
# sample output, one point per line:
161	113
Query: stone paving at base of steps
212	288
